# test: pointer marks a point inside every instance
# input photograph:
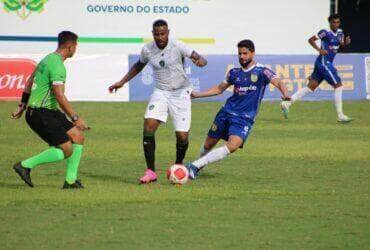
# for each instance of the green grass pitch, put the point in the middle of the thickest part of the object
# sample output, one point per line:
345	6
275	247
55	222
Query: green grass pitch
302	183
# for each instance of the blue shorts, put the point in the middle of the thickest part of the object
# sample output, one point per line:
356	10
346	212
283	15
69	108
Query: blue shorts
226	124
327	72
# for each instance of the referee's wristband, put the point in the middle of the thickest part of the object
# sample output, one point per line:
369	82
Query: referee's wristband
25	98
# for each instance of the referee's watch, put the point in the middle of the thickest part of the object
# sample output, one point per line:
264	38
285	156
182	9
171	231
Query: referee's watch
74	117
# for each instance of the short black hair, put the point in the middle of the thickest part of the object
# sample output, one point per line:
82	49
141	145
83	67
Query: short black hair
66	36
333	16
159	22
246	44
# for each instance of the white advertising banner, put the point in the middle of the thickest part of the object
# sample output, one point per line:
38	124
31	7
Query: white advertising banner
211	26
367	77
110	30
88	76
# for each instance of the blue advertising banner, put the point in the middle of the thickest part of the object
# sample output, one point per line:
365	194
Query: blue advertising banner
292	69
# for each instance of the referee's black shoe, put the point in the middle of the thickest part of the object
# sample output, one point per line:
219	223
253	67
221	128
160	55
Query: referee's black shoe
76	184
24	173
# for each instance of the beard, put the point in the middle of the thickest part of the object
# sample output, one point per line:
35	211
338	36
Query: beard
246	63
161	44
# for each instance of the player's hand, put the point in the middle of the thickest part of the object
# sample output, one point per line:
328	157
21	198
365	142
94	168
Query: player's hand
194	60
347	40
80	123
115	87
197	62
194	95
18	114
323	52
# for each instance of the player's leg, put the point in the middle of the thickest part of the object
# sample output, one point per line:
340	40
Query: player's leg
179	107
73	161
331	76
313	82
237	129
48	128
338	103
234	142
156	112
150	127
219	130
208	145
182	144
312	86
52	154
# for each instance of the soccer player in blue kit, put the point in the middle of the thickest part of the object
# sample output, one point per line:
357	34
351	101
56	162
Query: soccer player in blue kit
331	41
234	121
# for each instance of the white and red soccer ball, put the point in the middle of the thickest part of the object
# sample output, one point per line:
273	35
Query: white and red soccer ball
178	174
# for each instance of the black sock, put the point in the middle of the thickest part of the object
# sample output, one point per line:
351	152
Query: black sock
181	148
149	149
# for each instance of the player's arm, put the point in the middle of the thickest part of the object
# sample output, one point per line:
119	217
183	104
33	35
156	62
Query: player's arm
25	96
276	81
312	41
134	70
188	52
215	90
29	83
58	90
198	60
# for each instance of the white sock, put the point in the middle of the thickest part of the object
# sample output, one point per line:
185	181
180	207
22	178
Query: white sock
338	101
203	151
213	156
301	93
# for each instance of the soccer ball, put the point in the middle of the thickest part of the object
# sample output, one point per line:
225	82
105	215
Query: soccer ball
178	174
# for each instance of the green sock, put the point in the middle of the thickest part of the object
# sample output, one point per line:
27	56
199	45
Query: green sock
52	154
72	163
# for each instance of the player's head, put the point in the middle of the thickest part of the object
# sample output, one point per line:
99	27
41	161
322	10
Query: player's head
334	21
245	52
68	40
160	33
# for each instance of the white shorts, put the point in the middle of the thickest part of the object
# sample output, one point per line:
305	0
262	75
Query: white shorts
175	103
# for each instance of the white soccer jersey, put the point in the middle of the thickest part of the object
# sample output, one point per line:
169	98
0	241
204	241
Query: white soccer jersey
168	64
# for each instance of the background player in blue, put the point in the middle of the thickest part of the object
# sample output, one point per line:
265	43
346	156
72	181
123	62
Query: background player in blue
235	119
324	69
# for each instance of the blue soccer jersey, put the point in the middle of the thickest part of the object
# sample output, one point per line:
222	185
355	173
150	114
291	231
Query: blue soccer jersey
330	42
237	116
249	87
324	68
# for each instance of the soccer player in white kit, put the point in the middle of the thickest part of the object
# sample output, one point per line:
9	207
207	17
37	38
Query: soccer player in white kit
171	94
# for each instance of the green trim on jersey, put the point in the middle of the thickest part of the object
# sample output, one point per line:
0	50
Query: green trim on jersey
50	69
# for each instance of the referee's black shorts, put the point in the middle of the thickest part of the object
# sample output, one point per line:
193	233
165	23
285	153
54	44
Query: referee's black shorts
50	125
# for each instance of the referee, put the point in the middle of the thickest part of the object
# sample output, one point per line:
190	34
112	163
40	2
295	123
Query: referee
42	97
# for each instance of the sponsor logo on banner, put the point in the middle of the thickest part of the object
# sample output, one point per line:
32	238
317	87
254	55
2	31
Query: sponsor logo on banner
293	70
133	9
112	7
23	8
14	74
